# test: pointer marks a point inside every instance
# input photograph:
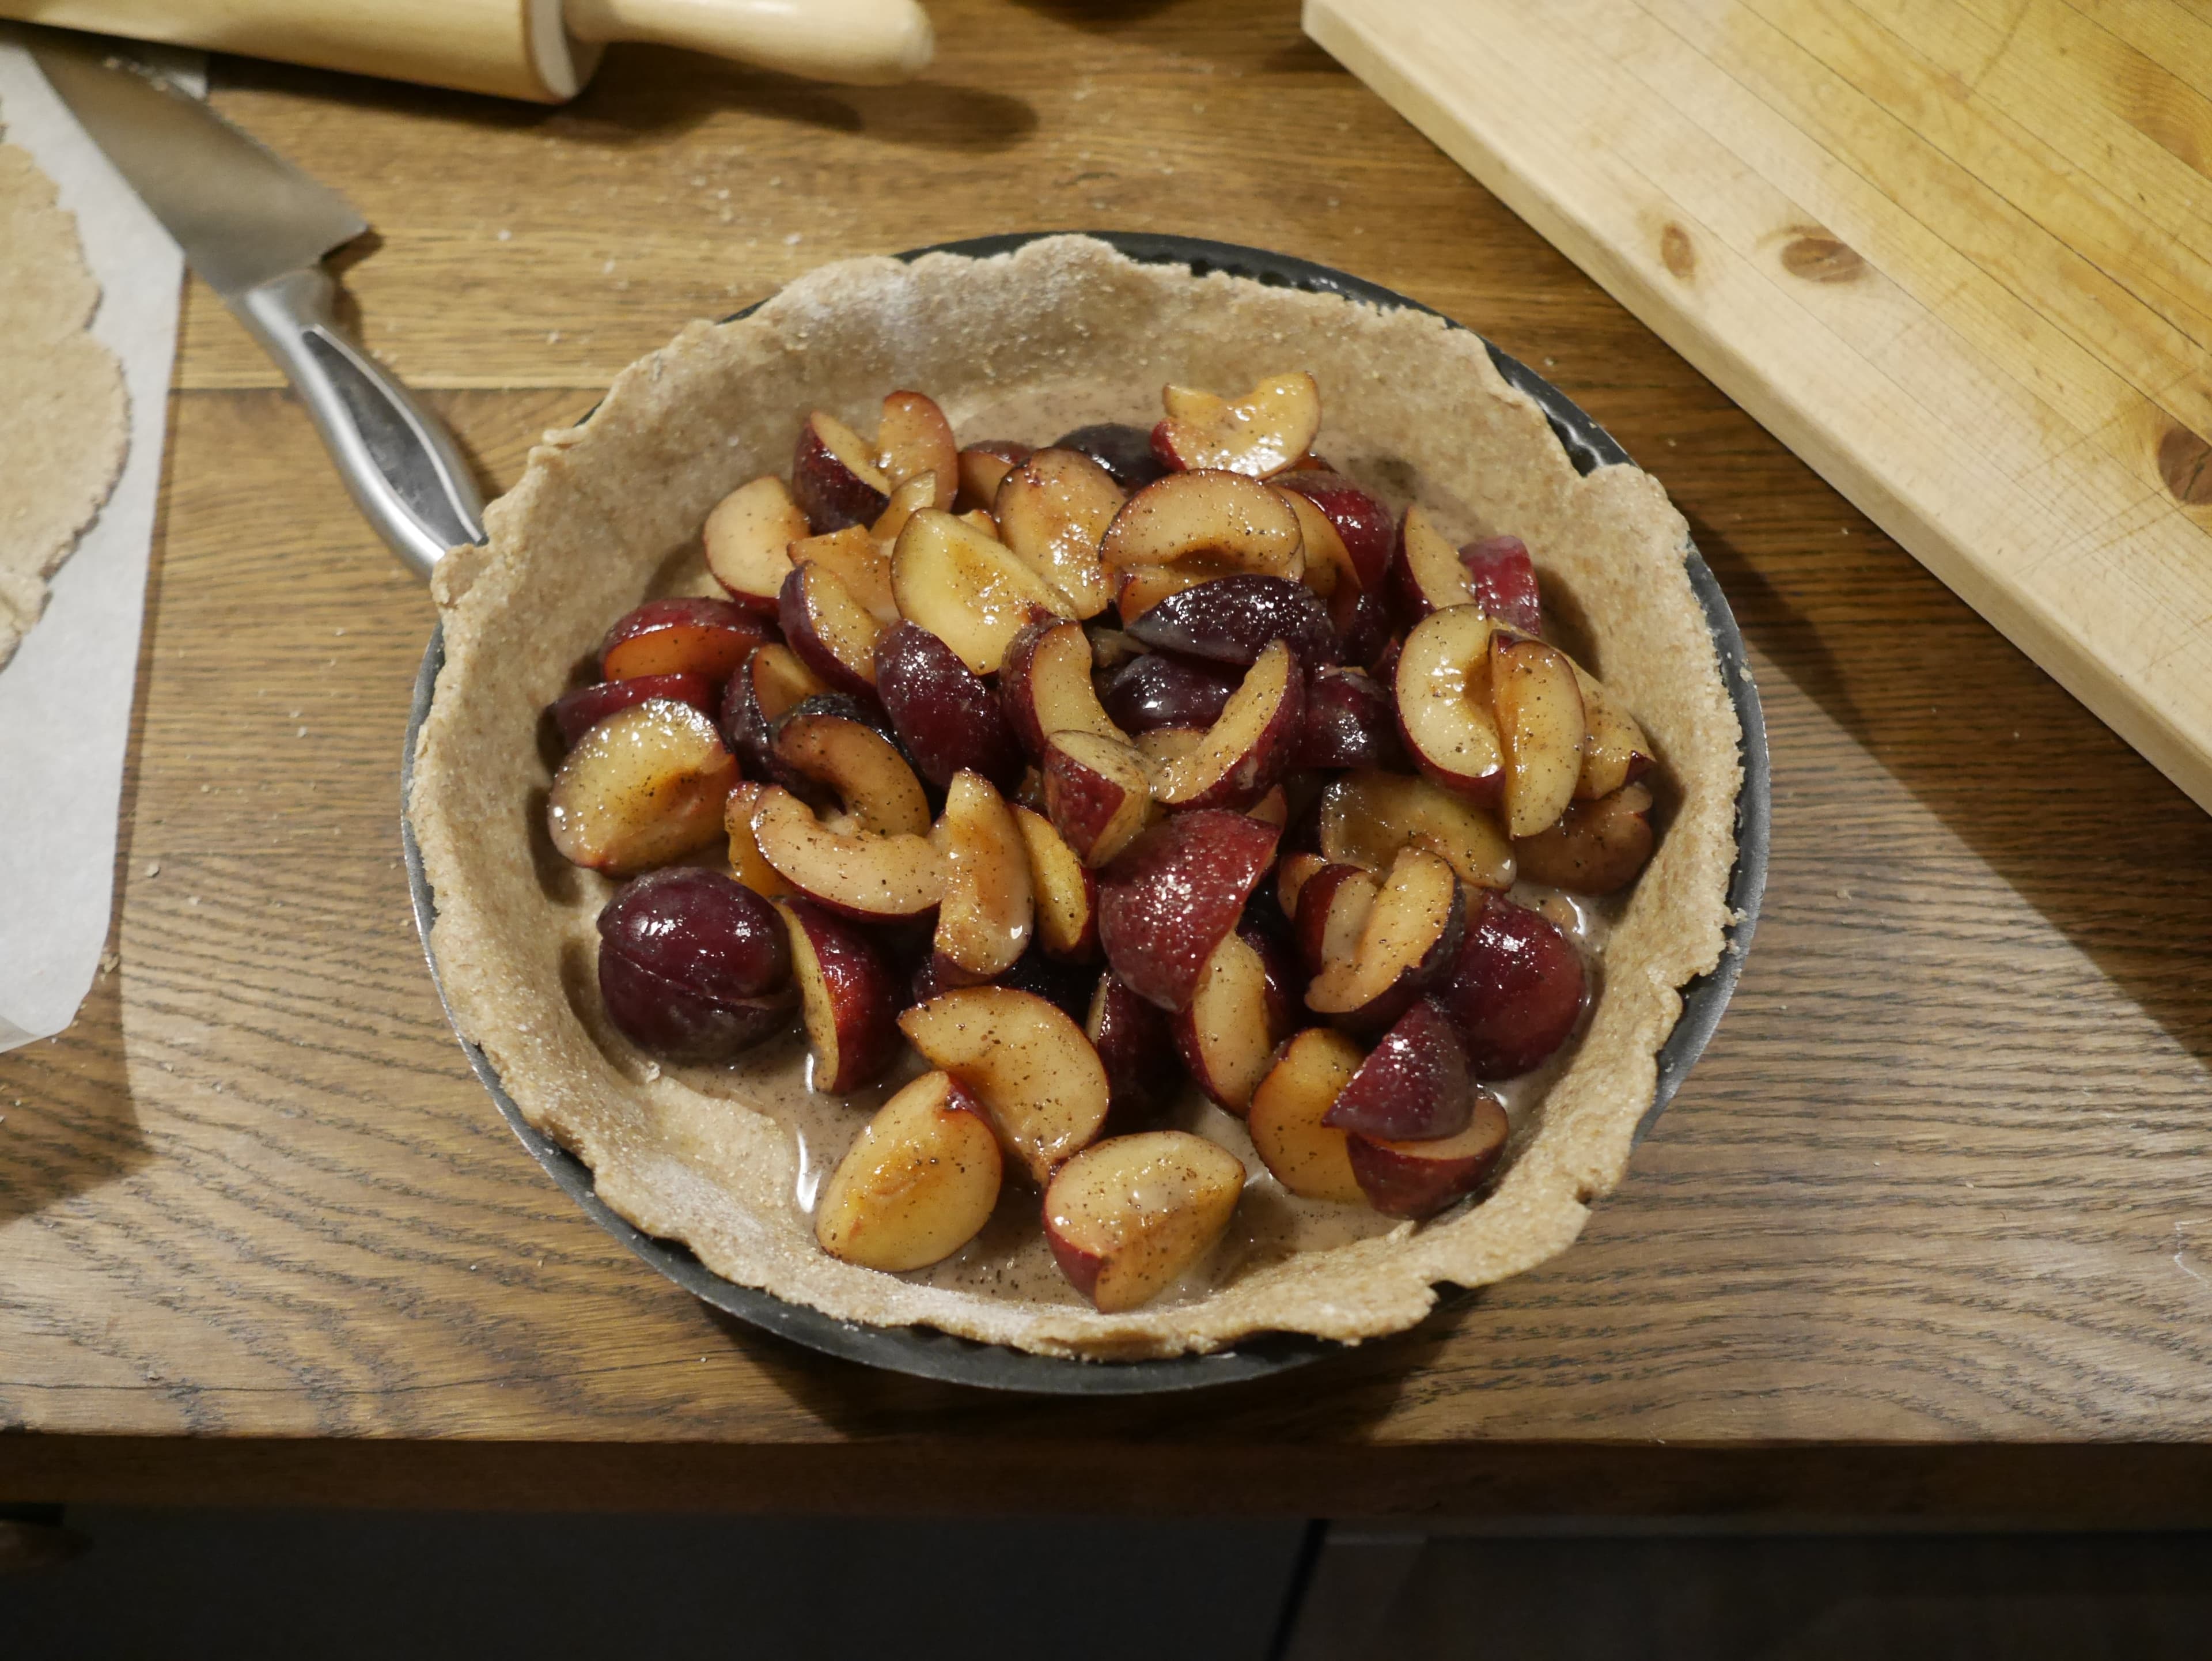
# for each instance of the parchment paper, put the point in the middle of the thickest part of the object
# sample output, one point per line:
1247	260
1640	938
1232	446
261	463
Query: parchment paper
65	698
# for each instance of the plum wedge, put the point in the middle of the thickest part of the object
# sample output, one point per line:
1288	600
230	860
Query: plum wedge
987	916
1066	889
1098	793
1261	434
835	479
1367	817
1207	513
1052	510
1232	619
918	1184
688	636
832	633
748	540
967	589
1596	848
1161	690
1407	941
848	997
1045	686
1418	1180
1167	902
576	712
1249	747
1445	709
1030	1066
1307	1156
873	879
1412	1086
1540	727
1128	1217
1136	1046
1243	1008
829	741
642	788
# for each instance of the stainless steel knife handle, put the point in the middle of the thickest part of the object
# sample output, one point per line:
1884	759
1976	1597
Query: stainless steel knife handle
400	463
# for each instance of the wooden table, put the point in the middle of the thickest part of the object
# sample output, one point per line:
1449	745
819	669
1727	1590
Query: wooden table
1929	1232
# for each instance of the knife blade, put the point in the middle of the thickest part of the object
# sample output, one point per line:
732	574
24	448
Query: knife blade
256	229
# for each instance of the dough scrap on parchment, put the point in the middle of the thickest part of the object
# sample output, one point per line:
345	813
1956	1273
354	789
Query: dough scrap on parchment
1063	331
64	417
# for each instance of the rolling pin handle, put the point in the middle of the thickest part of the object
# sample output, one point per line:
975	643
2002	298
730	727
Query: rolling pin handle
401	466
858	42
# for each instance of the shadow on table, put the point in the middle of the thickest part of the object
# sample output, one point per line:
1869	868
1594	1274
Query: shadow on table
644	92
2113	854
1335	1398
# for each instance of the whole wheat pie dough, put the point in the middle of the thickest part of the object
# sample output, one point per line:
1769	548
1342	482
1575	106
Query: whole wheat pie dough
63	417
1025	345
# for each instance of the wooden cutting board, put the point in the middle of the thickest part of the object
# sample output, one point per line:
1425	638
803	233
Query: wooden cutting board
1956	253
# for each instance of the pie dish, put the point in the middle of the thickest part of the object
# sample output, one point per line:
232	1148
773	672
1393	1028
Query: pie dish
1057	331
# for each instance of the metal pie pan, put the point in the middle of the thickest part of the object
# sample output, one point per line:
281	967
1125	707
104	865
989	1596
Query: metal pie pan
924	1352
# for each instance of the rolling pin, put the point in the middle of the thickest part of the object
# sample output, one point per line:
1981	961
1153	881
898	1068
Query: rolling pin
541	50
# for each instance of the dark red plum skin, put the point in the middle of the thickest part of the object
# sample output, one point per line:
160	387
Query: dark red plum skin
1168	899
1124	450
1136	1044
576	712
1079	802
1503	581
1370	530
1232	619
1362	622
1399	1184
828	492
1516	990
1351	721
946	716
1413	1086
701	929
693	966
677	1024
1161	690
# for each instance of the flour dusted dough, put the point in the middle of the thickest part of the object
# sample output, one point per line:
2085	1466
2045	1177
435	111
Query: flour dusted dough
63	417
1024	345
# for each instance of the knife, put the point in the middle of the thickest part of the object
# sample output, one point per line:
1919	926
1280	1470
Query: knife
256	230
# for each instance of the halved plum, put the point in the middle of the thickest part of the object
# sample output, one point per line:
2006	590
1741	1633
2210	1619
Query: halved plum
1538	710
1516	990
835	479
873	878
1445	710
642	788
831	741
1098	793
1413	1086
1066	891
693	967
688	636
1311	1159
946	716
1249	747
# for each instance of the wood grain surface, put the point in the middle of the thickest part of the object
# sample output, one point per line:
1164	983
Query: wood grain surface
1953	252
1928	1230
